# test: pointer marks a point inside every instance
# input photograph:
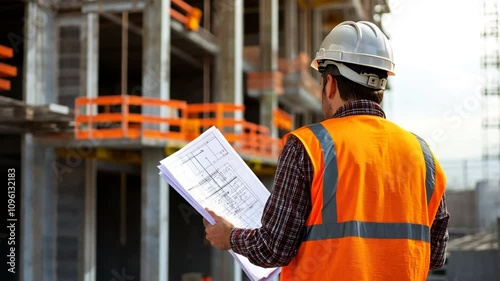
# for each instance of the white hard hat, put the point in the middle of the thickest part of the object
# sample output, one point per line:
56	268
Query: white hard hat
361	43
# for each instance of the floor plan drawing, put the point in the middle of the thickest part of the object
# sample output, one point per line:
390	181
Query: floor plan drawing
209	173
216	177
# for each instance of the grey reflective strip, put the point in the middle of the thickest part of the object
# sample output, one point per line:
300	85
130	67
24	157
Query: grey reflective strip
331	172
333	229
430	169
368	230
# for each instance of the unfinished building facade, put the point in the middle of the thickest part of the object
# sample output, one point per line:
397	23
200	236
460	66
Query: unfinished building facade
105	89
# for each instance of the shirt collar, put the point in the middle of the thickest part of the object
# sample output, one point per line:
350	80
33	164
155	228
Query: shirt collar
359	107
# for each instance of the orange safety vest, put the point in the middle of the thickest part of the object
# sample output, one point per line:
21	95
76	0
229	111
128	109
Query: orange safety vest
375	193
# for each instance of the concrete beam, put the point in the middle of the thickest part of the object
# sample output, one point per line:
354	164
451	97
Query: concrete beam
203	39
269	59
154	218
113	6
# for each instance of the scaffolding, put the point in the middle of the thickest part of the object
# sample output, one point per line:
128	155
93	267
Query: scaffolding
490	67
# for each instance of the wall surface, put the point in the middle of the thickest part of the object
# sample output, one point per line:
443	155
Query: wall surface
488	203
462	208
473	265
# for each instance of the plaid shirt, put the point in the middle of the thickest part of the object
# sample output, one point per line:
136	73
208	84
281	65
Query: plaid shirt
278	240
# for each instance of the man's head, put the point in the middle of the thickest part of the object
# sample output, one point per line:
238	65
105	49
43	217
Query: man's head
354	60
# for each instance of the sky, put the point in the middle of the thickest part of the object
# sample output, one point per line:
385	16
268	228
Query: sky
436	92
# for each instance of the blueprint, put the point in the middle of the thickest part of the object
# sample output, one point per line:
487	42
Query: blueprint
209	173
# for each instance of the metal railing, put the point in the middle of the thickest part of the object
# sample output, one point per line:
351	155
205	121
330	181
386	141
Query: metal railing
186	14
5	69
124	117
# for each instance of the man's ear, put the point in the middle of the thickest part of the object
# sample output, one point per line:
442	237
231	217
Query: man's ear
331	87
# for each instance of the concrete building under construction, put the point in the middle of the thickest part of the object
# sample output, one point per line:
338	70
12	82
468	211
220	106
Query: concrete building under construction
95	93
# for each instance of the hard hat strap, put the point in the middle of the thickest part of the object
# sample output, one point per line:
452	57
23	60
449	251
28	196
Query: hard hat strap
369	80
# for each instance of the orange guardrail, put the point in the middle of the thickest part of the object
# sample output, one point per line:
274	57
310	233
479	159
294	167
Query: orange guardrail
282	120
6	52
118	117
205	115
256	139
190	16
245	137
5	85
265	81
5	69
125	124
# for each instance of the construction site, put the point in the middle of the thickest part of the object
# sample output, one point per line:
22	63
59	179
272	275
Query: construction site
93	94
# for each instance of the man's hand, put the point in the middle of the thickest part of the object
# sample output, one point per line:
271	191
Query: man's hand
218	234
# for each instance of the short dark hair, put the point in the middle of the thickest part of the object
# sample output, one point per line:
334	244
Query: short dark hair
350	90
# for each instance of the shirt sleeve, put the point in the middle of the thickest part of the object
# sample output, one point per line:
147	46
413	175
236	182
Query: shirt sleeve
439	236
277	241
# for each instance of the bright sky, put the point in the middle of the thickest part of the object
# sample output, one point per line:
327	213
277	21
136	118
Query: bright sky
436	91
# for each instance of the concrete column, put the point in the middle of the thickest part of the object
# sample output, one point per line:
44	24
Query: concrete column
268	20
317	36
156	55
291	29
49	210
228	27
31	195
90	59
154	218
88	252
305	39
36	228
155	84
317	29
90	88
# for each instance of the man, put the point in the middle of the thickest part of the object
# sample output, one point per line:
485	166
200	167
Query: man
355	197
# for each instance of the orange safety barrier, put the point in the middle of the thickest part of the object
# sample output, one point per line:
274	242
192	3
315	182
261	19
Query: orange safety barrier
205	115
256	140
124	124
245	137
116	119
192	18
302	65
5	69
302	62
282	120
261	81
6	52
5	85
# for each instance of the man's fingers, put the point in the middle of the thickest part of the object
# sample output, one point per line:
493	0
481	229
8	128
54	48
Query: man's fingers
213	214
205	222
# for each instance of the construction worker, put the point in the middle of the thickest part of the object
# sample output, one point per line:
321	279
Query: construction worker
355	197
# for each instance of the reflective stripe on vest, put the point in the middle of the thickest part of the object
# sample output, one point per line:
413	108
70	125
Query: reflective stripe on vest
331	228
430	169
